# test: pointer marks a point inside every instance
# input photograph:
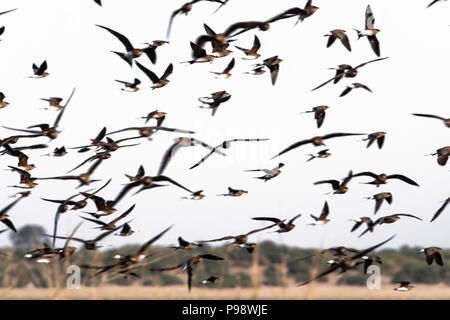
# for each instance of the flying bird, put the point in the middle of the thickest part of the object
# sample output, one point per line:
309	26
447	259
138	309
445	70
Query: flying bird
404	286
445	120
338	34
379	198
186	245
347	263
319	114
4	216
3	103
432	254
189	265
355	85
226	72
441	209
382	178
40	72
131	52
322	219
132	86
442	155
252	53
316	141
269	173
346	71
181	142
378	136
387	219
282	225
223	145
338	187
233	192
54	102
157	82
370	32
322	154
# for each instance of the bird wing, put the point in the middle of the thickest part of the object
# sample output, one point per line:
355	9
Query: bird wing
152	240
369	19
168	71
120	37
261	229
428	116
167	156
256	45
366	173
153	77
334	183
123	215
164	178
363	64
324	273
325	211
441	209
375	44
60	114
408	215
403	178
293	146
294	218
9	224
229	66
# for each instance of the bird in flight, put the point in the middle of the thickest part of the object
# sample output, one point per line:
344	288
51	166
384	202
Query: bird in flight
322	219
131	86
347	263
233	192
370	32
226	72
354	85
378	136
39	72
3	103
158	82
269	173
181	142
338	187
132	52
347	71
442	155
445	120
382	178
432	254
252	53
319	114
282	225
441	209
379	198
224	145
316	141
338	34
387	219
189	266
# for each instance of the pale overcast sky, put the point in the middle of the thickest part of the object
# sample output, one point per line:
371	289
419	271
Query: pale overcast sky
413	79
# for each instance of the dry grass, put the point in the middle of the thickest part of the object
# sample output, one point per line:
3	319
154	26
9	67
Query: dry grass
318	291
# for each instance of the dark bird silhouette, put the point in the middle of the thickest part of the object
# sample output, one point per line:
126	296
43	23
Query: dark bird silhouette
186	245
387	219
40	72
185	9
252	53
338	187
347	263
321	155
442	155
355	85
240	240
322	219
132	86
382	178
370	32
189	265
112	224
378	136
445	120
213	102
4	216
338	34
337	251
159	116
54	102
379	198
319	114
45	129
441	209
158	82
273	64
432	254
233	192
223	145
283	227
302	14
346	71
26	181
3	103
88	244
145	183
131	52
226	72
404	286
181	142
434	2
316	141
269	173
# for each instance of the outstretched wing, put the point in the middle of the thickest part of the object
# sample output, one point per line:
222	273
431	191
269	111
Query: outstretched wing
120	37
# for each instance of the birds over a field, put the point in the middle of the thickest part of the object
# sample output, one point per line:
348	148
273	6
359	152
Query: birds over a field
104	209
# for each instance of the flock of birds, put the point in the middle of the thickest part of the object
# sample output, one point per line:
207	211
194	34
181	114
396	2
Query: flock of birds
103	146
